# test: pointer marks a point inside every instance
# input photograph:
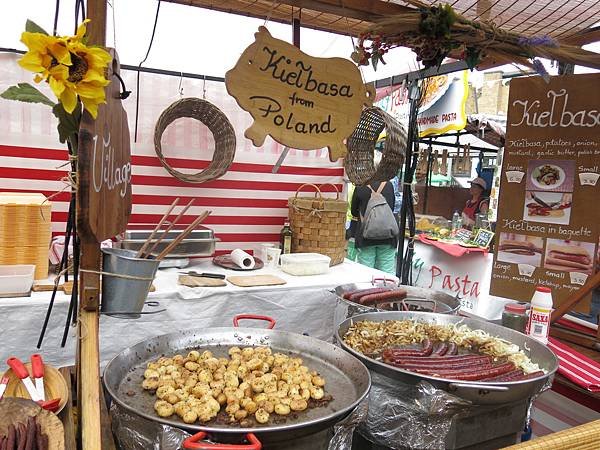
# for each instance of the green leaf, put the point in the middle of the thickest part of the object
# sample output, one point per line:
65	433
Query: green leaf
24	92
68	124
33	27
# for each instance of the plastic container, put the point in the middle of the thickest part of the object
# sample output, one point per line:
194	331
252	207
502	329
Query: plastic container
515	316
538	326
305	263
16	278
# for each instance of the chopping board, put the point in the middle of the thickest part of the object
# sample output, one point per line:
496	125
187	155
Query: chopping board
226	262
189	281
255	280
18	410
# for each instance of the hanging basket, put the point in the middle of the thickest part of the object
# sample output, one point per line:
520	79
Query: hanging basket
216	122
319	224
359	163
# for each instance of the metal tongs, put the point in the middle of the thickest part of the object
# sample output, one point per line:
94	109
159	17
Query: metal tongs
36	392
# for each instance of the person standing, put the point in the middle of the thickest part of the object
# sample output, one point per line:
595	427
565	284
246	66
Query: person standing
478	204
377	253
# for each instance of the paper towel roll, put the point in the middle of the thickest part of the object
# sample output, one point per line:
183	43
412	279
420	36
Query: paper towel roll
242	259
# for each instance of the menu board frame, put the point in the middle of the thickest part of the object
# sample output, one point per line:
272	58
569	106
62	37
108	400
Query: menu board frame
547	228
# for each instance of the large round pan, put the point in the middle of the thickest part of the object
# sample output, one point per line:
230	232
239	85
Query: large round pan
479	393
348	380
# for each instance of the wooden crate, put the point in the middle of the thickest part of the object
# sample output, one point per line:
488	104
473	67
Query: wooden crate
25	230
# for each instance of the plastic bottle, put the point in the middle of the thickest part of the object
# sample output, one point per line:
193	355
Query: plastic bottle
538	326
456	222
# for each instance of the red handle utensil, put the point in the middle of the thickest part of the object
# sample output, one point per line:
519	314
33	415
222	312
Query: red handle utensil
37	369
20	371
193	443
236	319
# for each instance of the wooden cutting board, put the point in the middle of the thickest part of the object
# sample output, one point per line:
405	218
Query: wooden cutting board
187	280
255	280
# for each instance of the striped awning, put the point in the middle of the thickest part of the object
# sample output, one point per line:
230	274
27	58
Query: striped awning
571	20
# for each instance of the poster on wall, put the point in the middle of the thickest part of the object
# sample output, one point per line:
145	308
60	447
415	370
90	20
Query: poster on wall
443	105
548	225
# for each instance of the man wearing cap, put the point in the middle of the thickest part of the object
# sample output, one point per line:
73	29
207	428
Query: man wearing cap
478	204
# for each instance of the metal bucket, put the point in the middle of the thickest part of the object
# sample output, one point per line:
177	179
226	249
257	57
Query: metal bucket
121	294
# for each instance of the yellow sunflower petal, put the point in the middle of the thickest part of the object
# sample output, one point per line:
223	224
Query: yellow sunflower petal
57	86
68	99
32	61
60	52
38	78
35	41
81	29
91	106
59	72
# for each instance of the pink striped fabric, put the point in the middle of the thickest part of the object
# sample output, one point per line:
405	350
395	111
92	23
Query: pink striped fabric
249	203
578	368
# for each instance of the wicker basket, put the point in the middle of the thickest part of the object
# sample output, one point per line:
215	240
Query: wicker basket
25	230
319	224
217	123
359	163
583	437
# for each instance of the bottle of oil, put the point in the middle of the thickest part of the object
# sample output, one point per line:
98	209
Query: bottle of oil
285	238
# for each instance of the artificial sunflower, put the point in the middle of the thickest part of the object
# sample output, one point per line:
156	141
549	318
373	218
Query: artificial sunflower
71	68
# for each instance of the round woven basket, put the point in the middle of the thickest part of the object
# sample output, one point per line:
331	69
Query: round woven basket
359	163
319	224
215	121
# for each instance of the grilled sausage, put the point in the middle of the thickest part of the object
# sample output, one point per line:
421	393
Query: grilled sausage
427	347
2	442
468	374
440	359
452	349
441	349
392	353
21	436
12	437
355	296
505	377
446	366
382	297
529	376
30	443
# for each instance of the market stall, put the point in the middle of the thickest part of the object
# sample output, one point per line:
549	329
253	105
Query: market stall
157	342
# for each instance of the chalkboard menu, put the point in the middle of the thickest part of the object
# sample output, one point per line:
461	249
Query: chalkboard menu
548	219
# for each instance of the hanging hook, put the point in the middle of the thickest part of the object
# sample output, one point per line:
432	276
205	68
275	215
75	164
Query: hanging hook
180	88
124	92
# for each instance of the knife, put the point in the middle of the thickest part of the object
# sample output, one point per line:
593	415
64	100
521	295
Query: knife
37	370
20	371
540	201
192	273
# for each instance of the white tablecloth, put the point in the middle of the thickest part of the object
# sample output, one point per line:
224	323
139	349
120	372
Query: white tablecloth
303	305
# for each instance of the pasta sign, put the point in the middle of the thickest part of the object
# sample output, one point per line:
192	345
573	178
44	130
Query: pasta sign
302	102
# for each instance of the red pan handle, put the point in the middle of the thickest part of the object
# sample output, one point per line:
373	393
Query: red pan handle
193	443
236	319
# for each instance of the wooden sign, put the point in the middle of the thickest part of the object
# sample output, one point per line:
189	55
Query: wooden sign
548	222
301	101
105	165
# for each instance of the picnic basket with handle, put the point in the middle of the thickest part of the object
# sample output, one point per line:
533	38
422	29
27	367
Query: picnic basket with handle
318	224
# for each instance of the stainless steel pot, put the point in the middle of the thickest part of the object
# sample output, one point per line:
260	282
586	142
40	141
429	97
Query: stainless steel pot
348	380
436	301
478	393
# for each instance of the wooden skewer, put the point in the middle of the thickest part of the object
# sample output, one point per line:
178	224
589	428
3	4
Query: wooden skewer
183	235
145	246
171	225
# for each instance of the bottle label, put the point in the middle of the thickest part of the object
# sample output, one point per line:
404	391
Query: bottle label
287	244
539	323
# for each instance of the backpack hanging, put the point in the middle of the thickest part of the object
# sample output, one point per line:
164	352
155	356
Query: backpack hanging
379	221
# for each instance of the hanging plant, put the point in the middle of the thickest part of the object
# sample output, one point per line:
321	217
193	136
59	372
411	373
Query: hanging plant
436	32
74	71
